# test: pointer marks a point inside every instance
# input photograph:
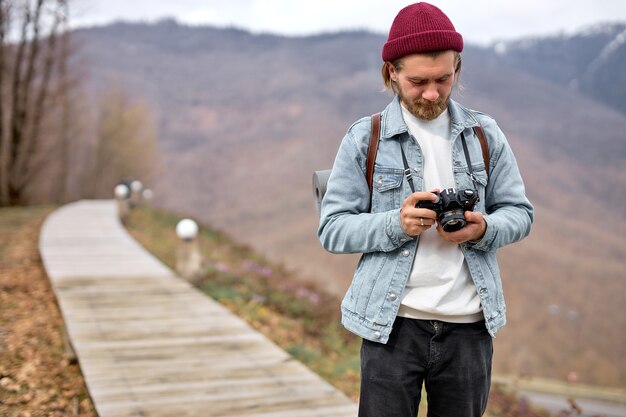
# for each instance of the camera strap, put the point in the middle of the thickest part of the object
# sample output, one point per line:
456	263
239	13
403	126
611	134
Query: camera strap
469	161
409	176
407	171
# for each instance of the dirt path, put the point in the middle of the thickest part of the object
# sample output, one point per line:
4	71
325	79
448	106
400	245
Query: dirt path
36	378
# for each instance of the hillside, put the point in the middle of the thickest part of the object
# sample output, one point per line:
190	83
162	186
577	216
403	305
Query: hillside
245	119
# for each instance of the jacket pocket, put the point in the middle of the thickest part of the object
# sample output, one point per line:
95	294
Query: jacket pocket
387	190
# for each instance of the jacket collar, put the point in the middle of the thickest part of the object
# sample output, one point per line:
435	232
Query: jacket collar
393	123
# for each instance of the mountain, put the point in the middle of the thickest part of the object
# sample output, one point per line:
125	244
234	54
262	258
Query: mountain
245	119
592	61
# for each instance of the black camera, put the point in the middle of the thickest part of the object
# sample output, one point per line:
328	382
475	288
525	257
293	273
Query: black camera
450	207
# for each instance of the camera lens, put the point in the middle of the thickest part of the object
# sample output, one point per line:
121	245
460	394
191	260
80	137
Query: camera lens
452	220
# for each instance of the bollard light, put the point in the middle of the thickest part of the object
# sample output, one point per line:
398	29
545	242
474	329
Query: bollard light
135	193
121	191
188	257
147	194
122	194
136	186
187	229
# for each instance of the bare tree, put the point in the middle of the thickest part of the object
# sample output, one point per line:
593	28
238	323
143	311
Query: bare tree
31	60
126	143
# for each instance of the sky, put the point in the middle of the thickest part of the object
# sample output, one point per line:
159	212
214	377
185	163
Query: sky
479	21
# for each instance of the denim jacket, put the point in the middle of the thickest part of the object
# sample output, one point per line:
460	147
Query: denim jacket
371	303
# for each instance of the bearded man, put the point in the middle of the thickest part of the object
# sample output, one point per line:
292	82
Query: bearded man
426	296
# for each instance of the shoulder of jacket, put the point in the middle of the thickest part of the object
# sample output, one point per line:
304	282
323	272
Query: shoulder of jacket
364	124
359	132
480	117
494	135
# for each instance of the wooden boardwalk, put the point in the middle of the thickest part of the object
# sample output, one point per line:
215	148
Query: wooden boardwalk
150	344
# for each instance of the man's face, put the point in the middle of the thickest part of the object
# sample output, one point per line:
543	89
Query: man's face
425	83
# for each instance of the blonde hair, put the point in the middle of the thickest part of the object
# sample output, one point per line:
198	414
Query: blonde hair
397	64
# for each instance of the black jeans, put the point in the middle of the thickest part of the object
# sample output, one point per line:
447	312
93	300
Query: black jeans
452	360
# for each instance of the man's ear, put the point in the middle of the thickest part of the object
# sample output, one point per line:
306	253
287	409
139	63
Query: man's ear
393	74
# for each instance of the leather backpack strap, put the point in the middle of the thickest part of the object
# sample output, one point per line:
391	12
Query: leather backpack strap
372	150
478	130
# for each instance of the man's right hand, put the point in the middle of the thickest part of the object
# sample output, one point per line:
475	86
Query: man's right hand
416	220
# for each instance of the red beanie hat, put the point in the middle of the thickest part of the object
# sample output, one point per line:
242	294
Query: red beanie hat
418	28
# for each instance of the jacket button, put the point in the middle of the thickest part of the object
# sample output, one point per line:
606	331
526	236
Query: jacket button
405	252
377	335
392	297
483	290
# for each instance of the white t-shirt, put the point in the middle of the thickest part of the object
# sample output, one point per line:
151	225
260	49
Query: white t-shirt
440	286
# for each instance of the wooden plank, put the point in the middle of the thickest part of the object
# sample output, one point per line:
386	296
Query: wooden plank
150	344
241	402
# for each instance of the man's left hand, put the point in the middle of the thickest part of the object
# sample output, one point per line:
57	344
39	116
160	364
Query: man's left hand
473	230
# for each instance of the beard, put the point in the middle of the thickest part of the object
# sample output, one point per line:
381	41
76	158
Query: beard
426	109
